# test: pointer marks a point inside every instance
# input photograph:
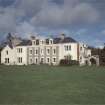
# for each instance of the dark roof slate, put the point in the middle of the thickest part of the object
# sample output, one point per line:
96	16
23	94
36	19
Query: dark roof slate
25	43
55	41
4	44
65	40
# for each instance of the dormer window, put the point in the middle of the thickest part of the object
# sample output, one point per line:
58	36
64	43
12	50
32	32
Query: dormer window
47	41
37	42
51	41
34	42
41	42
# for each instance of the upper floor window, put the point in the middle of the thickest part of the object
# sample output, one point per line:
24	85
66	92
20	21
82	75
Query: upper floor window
19	50
30	51
36	51
67	47
7	52
54	51
48	51
42	51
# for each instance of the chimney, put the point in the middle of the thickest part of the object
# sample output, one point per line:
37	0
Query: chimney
62	36
32	37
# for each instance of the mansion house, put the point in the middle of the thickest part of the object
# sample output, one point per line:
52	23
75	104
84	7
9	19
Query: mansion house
39	50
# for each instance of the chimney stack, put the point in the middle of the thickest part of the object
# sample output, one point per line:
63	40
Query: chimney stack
62	36
32	37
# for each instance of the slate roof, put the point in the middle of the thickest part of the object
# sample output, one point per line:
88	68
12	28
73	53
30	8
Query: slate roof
55	41
65	40
4	44
25	43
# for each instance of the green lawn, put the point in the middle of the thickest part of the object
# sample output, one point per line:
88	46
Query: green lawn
47	85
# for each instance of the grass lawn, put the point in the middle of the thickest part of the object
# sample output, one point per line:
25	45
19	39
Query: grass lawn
47	85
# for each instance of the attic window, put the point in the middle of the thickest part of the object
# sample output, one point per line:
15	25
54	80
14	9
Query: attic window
51	41
34	42
37	42
47	41
42	42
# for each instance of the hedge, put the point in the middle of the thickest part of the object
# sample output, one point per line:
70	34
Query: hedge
65	62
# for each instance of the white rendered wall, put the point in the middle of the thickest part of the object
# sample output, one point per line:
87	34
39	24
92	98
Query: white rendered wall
23	55
10	55
72	52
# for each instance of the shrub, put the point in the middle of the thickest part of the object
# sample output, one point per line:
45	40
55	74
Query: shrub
65	62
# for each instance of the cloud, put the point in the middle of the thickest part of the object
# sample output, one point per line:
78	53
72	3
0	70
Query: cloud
25	30
5	3
50	16
47	14
7	20
81	31
103	32
72	12
30	7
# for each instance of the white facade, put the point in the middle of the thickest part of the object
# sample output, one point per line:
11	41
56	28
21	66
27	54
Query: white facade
42	52
14	56
8	55
84	54
68	49
21	55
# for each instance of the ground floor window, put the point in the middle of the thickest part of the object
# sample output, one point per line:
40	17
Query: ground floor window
81	59
54	59
68	57
36	60
42	60
48	60
6	60
31	61
19	59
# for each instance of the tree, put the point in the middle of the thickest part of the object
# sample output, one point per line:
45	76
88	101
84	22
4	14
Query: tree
0	54
104	47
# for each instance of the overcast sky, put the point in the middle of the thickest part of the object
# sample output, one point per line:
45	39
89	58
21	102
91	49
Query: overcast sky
83	20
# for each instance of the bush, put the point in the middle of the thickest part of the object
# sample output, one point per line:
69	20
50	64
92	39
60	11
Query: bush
65	62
